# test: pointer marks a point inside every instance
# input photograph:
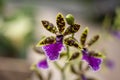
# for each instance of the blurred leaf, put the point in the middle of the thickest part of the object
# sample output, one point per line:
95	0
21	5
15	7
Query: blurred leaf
91	79
6	47
2	5
116	25
80	65
63	54
37	72
74	56
49	75
78	78
73	70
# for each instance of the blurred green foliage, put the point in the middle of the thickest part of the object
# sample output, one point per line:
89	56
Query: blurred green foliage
116	25
16	31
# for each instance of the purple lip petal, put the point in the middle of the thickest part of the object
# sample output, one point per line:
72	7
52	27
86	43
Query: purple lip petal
52	51
43	64
92	61
95	63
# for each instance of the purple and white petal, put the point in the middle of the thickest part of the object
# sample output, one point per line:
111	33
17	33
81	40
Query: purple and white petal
93	62
52	51
42	64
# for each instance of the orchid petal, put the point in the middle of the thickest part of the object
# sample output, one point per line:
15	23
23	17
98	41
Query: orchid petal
46	41
60	22
52	51
72	42
72	29
43	64
93	62
49	26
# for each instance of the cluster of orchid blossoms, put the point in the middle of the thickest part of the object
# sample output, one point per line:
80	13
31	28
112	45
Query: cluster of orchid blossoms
52	45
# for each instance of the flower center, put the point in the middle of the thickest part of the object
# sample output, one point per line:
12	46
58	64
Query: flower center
59	38
85	51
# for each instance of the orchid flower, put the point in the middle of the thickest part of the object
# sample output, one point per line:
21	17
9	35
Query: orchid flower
93	59
53	45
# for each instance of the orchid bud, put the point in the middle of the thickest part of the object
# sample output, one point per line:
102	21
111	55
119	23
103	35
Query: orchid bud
70	19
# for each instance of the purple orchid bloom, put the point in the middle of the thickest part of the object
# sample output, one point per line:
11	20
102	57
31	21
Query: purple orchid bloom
43	64
93	59
52	46
93	62
52	51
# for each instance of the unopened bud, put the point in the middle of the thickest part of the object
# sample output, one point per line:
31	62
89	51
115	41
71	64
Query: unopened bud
70	19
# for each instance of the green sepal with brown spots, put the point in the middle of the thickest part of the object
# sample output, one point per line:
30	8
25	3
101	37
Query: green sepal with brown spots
96	54
93	40
49	26
72	29
72	42
84	36
46	41
74	56
60	22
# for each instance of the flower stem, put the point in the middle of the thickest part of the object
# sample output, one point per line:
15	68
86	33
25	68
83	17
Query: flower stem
73	35
68	50
37	72
57	65
63	74
61	70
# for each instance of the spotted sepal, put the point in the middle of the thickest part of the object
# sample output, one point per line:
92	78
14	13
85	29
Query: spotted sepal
84	36
46	41
49	26
93	40
60	22
96	54
72	29
72	42
74	56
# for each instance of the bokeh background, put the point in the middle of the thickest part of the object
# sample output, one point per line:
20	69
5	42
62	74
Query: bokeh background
21	29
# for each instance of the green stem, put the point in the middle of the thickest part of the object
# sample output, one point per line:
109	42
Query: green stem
63	74
68	50
57	65
73	35
38	73
61	70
